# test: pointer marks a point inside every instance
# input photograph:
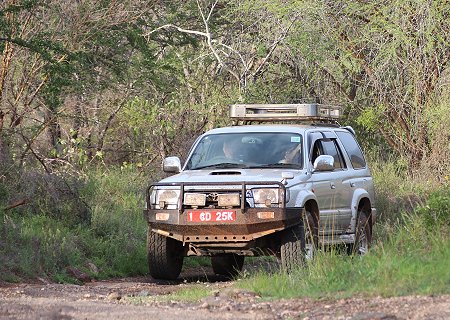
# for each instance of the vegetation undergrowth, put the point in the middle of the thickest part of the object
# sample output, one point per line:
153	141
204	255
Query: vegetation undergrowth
409	257
411	251
110	243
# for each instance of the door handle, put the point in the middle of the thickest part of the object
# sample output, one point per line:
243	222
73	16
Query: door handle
333	186
352	184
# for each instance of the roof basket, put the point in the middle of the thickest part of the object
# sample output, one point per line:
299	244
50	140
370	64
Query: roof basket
305	112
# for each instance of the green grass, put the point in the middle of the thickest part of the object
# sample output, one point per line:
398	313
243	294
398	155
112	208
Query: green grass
114	240
412	258
411	252
195	293
33	245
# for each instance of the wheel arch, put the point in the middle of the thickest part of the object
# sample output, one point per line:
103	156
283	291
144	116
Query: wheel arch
365	206
307	199
360	202
312	207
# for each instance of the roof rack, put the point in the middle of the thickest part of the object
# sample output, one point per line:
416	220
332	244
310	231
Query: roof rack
304	112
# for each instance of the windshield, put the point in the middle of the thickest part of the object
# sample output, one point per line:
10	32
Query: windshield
248	150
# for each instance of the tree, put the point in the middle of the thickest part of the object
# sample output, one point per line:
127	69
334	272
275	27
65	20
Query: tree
388	63
51	51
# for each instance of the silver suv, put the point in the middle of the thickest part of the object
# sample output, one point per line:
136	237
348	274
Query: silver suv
266	189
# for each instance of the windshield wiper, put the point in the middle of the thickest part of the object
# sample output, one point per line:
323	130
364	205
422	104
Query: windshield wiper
227	165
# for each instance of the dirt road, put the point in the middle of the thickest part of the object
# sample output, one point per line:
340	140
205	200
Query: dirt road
144	298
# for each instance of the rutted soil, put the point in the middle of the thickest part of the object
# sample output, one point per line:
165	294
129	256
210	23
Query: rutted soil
145	298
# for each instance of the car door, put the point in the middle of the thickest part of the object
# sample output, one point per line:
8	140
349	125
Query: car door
330	187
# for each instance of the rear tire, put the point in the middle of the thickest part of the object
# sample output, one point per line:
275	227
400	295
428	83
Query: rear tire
292	250
363	236
165	256
228	265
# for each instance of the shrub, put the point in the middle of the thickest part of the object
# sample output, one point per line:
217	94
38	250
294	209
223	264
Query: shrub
50	234
436	210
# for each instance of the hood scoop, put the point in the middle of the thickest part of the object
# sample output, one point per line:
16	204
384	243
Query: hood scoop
225	173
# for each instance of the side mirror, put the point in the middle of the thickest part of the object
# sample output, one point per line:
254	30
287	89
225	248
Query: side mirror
172	164
324	163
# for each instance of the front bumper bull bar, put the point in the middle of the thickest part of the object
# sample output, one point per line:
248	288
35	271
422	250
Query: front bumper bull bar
250	223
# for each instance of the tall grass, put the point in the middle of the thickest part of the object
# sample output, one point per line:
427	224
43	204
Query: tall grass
38	244
414	260
411	255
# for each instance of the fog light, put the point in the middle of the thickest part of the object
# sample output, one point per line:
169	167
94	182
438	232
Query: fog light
265	215
194	199
162	216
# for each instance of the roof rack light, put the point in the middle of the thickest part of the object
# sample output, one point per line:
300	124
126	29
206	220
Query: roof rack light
283	112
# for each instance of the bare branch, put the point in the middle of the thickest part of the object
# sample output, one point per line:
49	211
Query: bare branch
273	47
209	40
108	124
211	11
167	26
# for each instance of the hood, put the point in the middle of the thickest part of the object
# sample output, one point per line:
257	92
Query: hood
232	175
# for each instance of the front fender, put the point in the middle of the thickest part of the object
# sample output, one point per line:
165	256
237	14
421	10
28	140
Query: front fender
304	196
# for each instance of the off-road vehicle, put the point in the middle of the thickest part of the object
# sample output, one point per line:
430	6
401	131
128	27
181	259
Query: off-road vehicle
262	189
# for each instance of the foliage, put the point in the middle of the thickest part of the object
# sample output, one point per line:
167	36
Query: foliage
436	210
384	62
399	264
40	245
155	72
93	95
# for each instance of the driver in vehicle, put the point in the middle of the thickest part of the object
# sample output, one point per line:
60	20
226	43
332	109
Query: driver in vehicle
230	149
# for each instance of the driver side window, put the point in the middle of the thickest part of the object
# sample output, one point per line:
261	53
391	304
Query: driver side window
328	147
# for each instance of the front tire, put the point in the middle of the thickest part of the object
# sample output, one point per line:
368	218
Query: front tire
292	250
165	256
311	235
228	265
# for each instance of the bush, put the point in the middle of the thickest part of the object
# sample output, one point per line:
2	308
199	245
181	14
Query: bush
436	210
411	260
42	239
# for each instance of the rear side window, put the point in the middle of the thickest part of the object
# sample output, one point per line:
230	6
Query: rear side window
353	150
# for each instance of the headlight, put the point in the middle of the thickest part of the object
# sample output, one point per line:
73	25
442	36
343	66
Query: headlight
165	198
265	196
229	200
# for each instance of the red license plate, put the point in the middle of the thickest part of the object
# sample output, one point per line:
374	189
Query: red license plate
211	216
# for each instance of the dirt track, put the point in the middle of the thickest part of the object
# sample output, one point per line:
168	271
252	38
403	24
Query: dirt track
135	299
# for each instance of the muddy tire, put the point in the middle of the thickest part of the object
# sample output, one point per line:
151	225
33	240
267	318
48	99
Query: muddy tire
228	265
292	249
363	236
165	256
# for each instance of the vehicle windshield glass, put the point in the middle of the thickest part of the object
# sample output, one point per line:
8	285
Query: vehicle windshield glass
248	150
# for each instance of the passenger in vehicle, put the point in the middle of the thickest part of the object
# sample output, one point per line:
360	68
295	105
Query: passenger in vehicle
292	153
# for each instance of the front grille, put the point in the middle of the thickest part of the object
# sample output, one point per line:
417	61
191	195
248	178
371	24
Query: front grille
213	189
